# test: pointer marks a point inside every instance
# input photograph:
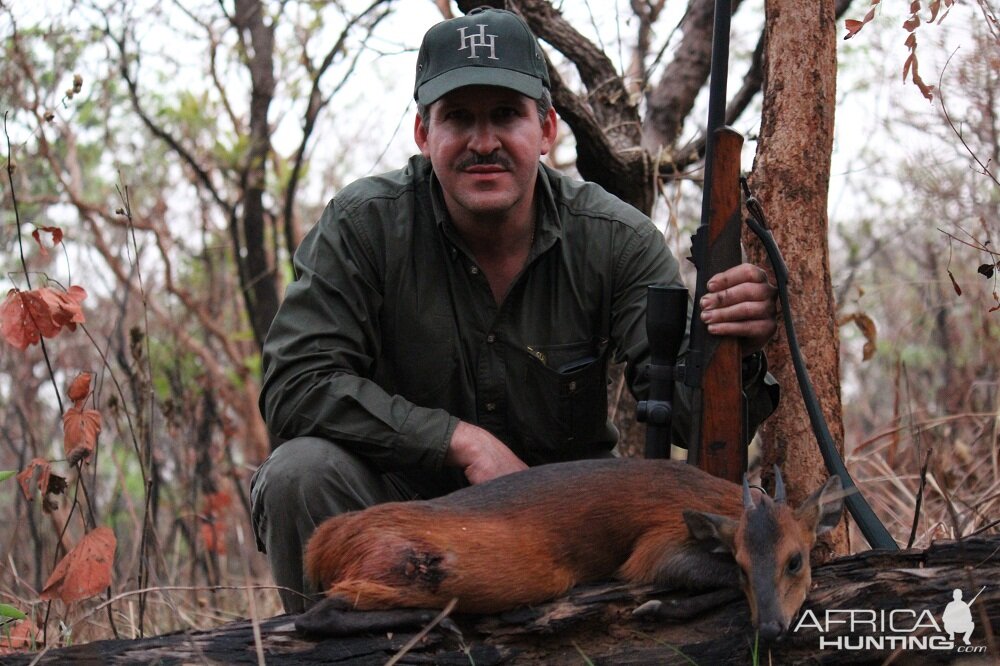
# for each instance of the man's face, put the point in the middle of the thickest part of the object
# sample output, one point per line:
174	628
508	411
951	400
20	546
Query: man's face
484	143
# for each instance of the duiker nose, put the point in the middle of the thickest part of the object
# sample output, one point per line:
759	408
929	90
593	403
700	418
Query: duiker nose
770	631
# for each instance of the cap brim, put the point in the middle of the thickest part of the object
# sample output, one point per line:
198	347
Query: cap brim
444	83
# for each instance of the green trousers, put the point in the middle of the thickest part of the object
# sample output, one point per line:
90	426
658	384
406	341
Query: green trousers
303	482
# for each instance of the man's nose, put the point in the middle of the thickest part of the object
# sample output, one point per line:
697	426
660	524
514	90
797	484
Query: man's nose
484	139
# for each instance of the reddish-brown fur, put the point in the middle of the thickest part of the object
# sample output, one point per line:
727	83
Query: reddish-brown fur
519	539
531	536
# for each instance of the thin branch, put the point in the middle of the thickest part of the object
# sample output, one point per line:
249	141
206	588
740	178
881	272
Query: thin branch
944	110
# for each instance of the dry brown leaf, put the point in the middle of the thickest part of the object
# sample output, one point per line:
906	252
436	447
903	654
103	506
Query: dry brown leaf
80	430
867	328
27	316
55	232
213	533
24	318
215	507
79	389
854	26
86	569
24	636
25	475
935	7
48	483
65	305
217	503
954	284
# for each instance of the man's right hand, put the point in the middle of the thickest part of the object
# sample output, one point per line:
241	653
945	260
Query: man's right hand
480	455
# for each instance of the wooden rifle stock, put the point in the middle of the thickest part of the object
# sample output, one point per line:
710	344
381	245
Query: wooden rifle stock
719	429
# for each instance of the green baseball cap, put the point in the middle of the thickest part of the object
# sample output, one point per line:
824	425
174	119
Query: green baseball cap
488	47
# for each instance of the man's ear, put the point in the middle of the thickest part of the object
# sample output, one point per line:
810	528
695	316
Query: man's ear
550	128
709	529
420	135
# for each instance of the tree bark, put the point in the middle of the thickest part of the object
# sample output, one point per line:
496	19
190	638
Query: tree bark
605	120
790	175
257	274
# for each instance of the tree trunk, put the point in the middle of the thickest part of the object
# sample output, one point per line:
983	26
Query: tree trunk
790	175
257	274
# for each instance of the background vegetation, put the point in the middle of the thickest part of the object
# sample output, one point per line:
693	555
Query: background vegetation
182	149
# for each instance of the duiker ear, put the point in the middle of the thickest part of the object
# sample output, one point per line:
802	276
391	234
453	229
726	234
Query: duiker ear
719	532
821	510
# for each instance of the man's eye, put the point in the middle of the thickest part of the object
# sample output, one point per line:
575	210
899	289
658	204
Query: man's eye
455	115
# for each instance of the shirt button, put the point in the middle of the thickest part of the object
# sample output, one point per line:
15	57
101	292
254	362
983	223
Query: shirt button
491	338
491	406
474	270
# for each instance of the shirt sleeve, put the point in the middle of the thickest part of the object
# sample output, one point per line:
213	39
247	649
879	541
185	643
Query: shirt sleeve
646	260
322	348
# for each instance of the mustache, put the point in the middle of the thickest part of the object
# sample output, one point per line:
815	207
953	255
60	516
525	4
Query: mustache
491	159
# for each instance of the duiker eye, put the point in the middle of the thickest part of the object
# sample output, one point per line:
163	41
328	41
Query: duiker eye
795	563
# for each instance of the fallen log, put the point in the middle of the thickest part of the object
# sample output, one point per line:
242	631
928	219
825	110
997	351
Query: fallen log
869	608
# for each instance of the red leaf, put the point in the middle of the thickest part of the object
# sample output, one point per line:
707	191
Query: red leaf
954	283
57	236
911	23
217	503
85	571
853	26
935	8
867	328
80	430
48	483
213	534
27	316
80	388
25	475
214	508
24	636
24	318
65	306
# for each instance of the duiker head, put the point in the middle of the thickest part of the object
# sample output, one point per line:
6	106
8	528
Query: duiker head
771	543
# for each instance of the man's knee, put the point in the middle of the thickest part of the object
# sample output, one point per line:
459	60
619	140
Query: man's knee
303	482
315	476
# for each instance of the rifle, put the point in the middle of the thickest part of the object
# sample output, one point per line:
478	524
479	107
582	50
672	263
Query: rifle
719	436
714	364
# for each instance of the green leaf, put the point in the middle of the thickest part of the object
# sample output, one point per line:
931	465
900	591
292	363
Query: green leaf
11	612
6	474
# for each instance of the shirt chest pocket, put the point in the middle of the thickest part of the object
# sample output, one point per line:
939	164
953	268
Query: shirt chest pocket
563	395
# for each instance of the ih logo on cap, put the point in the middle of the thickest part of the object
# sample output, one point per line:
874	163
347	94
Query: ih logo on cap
474	41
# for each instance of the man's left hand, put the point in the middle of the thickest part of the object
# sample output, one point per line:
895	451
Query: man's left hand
741	302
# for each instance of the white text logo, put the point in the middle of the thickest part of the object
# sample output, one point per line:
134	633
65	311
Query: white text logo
476	40
897	629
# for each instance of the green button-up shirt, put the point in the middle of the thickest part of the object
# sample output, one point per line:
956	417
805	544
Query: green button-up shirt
390	334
